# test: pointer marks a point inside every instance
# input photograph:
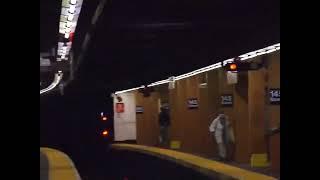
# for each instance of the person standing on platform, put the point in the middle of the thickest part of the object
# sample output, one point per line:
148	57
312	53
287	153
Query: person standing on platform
221	130
164	123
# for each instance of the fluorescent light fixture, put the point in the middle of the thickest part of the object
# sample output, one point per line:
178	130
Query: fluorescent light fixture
61	52
227	61
73	2
68	24
67	30
199	71
243	57
72	9
159	83
119	92
70	17
56	81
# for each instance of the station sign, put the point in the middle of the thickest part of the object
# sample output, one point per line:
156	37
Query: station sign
274	96
139	109
226	100
193	103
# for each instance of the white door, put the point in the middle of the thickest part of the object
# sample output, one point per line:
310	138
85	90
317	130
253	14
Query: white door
125	122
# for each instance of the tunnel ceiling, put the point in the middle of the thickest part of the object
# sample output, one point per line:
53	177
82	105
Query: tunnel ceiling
142	41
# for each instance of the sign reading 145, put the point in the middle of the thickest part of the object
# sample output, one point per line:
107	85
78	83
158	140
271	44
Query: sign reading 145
274	96
275	93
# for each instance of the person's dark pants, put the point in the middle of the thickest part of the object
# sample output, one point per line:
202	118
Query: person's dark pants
164	139
230	151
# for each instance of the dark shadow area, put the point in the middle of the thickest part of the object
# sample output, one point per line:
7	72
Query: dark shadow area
71	124
115	164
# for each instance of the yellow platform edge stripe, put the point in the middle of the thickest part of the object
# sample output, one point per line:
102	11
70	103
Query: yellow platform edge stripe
61	166
196	162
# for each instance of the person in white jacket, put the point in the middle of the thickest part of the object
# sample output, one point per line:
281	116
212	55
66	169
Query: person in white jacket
220	128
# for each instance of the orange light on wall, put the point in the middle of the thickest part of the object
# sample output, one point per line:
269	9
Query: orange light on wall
233	67
104	118
105	133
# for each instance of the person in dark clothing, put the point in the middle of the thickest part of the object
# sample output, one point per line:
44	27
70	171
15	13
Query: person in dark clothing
164	123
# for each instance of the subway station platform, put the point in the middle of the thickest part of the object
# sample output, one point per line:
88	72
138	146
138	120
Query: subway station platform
56	165
206	166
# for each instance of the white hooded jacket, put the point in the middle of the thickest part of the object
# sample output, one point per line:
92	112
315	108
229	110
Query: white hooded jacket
217	128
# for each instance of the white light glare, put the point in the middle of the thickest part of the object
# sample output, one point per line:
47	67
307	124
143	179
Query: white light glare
72	9
67	30
68	24
73	2
70	17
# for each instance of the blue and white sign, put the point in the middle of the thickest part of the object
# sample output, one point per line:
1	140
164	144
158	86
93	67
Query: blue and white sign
274	96
193	103
226	100
139	109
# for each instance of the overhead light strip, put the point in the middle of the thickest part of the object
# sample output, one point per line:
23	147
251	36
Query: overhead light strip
118	92
243	57
70	11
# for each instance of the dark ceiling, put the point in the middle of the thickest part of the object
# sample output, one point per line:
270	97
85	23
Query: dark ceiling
49	24
142	41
